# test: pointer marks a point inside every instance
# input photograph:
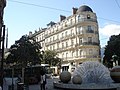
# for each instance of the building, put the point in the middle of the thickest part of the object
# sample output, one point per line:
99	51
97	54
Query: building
2	27
75	38
2	6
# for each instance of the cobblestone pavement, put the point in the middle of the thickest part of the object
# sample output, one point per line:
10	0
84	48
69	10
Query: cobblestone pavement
49	85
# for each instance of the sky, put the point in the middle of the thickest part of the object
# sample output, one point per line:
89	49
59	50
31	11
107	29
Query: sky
22	16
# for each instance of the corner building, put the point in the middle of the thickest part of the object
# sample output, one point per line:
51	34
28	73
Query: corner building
75	38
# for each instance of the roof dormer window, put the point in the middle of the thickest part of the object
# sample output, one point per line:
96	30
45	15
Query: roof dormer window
88	16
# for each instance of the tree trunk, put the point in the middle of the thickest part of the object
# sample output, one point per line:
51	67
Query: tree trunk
22	75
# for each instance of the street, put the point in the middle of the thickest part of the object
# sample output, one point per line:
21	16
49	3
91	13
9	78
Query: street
49	85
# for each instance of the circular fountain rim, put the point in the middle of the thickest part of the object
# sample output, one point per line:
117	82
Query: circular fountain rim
90	86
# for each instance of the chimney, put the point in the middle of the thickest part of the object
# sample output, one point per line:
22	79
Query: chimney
74	10
62	17
51	24
30	33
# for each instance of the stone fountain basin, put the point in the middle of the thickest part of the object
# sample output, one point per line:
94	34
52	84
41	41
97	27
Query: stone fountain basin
89	86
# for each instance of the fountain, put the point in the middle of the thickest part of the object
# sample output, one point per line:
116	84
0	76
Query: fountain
90	75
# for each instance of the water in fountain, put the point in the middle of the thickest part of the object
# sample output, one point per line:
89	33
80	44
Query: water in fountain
93	72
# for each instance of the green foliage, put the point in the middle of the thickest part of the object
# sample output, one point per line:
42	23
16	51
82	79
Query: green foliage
25	51
50	57
113	48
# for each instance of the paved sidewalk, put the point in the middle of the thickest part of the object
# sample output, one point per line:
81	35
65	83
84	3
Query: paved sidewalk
49	85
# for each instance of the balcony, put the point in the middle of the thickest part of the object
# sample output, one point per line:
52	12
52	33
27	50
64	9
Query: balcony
87	20
89	56
90	31
90	43
52	42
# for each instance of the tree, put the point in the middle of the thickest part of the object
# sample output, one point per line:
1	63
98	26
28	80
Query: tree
50	57
113	48
25	51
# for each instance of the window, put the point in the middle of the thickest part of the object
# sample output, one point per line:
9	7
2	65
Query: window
81	52
71	21
62	55
62	35
90	51
79	18
42	44
47	33
57	45
77	52
58	36
61	26
39	38
80	41
53	38
57	28
53	30
66	55
72	33
66	44
79	30
89	28
42	36
46	40
89	39
53	47
62	45
72	53
50	47
72	42
88	16
66	33
50	39
65	24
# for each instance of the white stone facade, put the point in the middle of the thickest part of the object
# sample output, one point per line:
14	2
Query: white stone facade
75	38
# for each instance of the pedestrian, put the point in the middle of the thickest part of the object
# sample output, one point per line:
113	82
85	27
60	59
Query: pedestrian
19	79
43	81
